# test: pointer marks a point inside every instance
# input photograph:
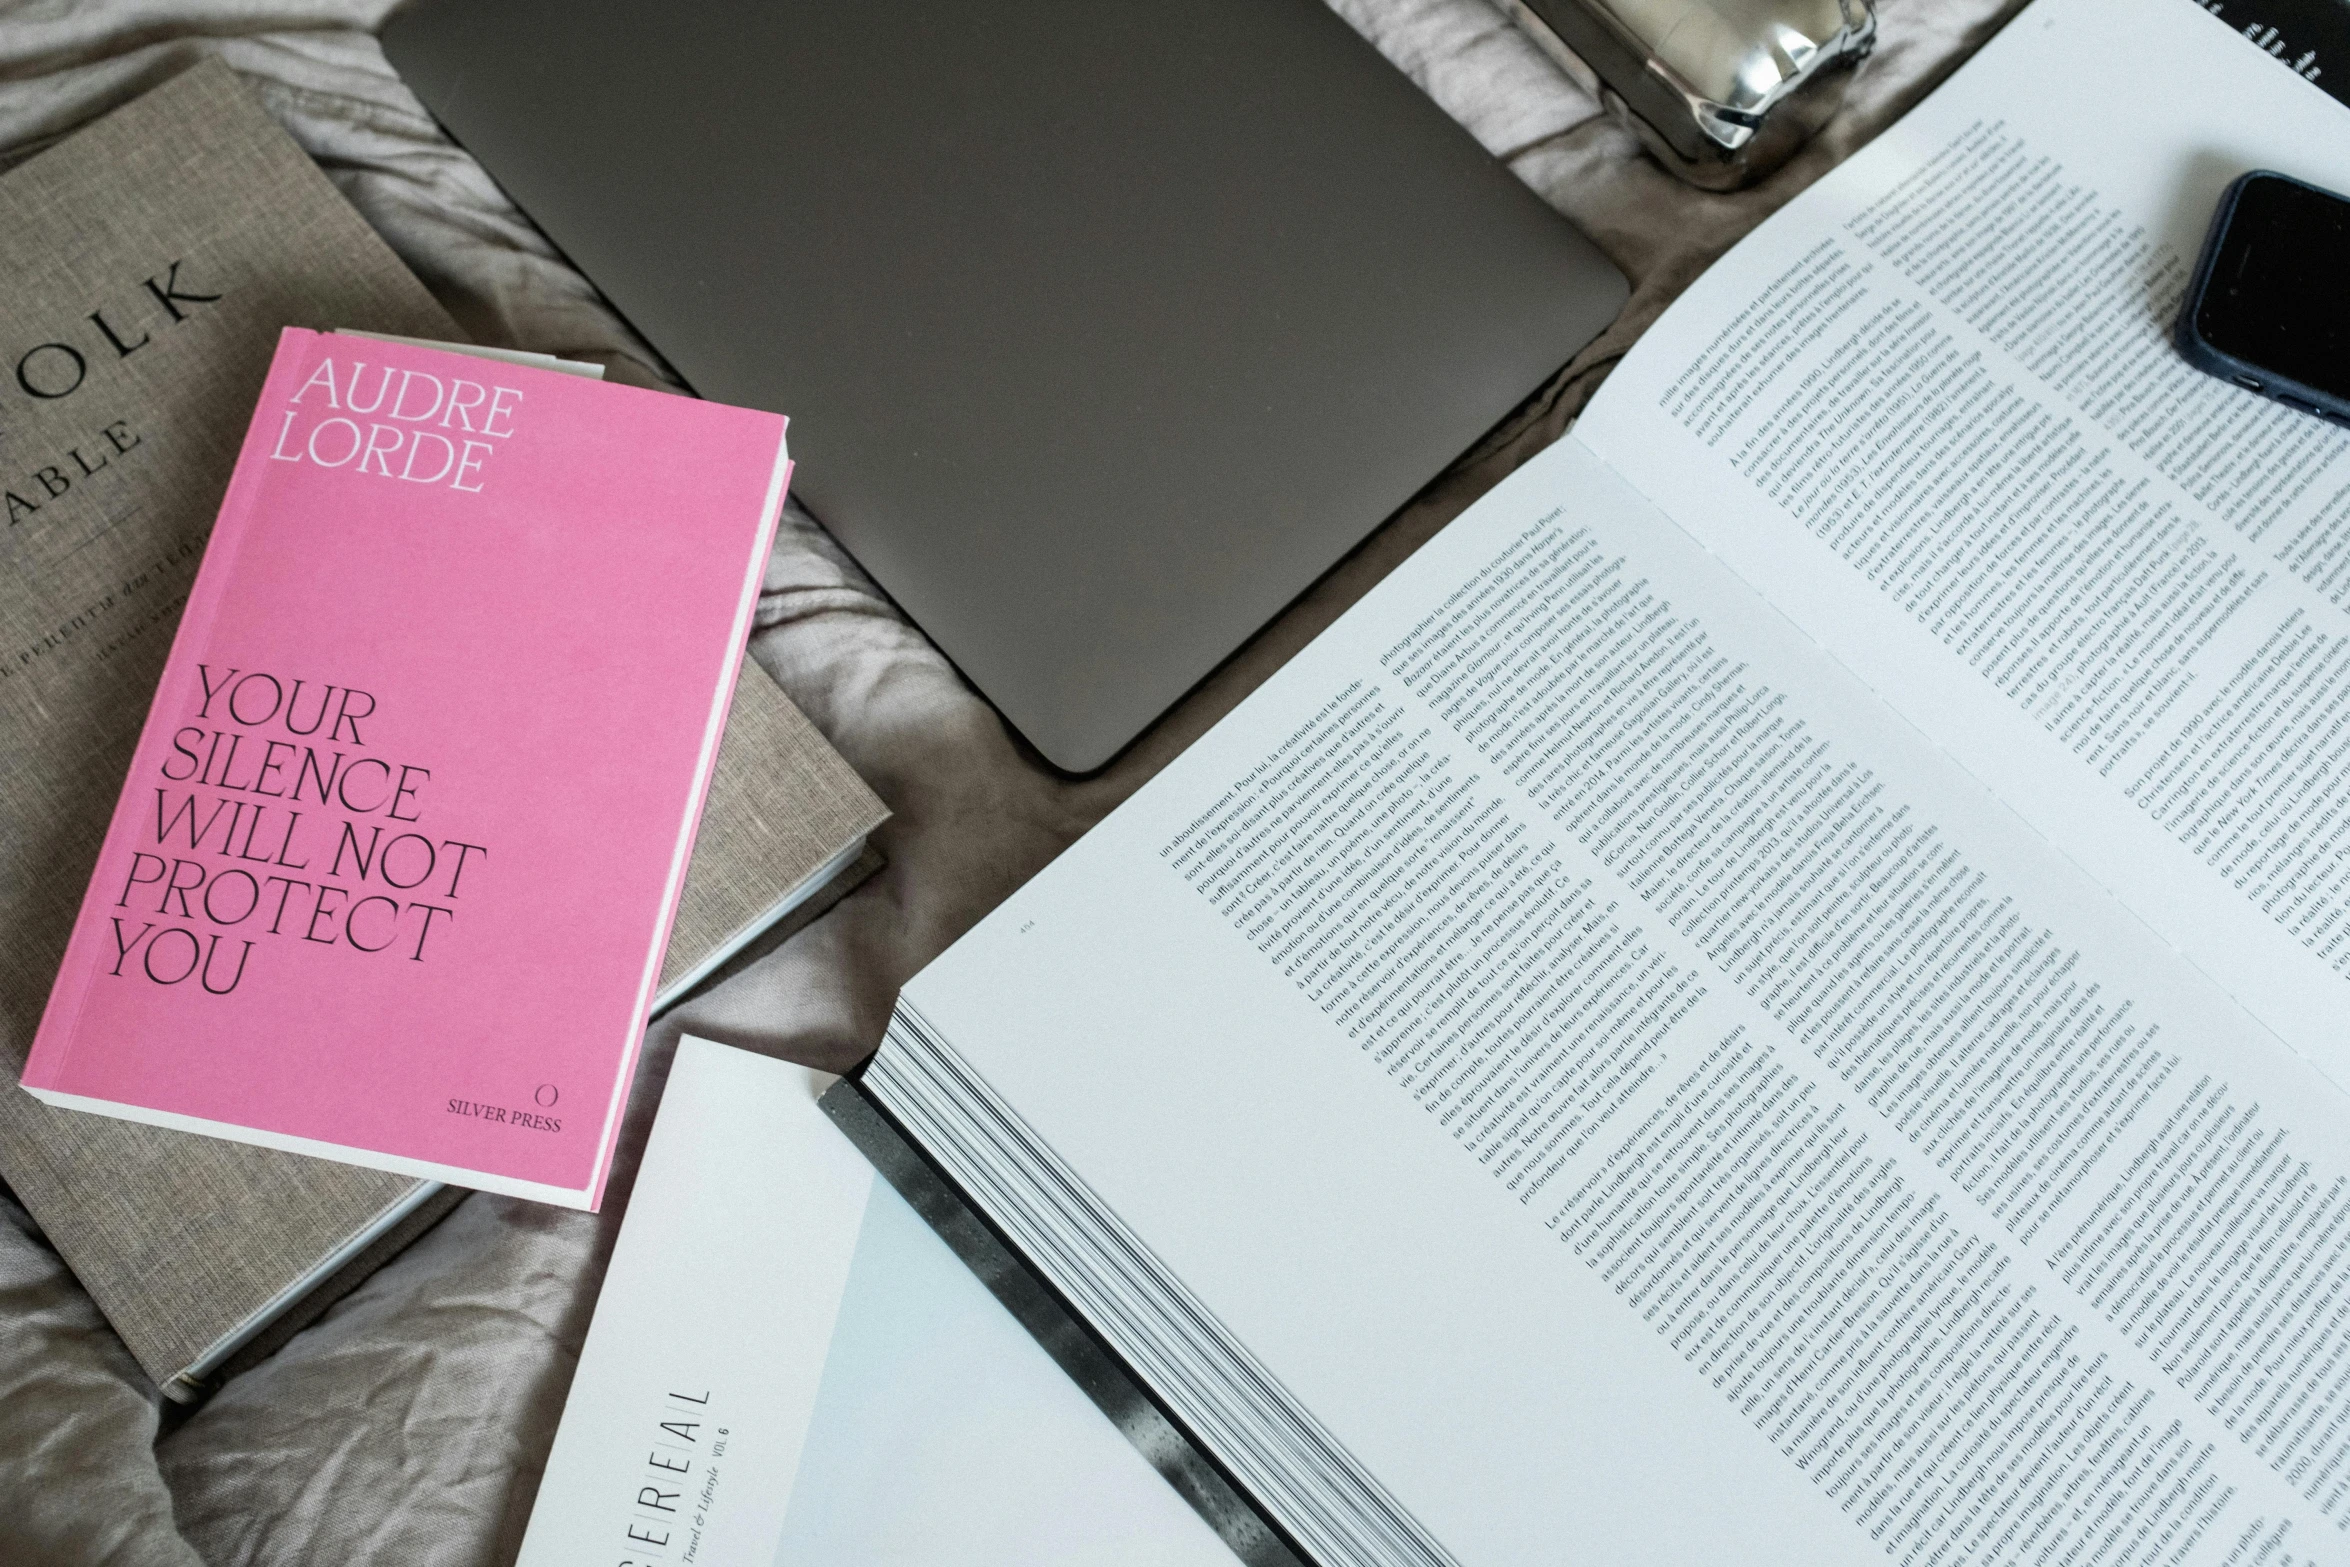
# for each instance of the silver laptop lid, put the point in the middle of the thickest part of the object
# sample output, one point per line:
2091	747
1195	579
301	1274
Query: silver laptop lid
1105	328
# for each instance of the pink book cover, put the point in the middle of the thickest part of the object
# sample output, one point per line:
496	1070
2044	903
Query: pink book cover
395	861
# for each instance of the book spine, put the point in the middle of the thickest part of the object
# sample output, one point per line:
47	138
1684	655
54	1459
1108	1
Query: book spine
53	1042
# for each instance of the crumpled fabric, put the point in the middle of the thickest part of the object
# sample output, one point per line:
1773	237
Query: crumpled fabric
409	1425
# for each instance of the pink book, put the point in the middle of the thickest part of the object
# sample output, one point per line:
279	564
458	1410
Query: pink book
394	864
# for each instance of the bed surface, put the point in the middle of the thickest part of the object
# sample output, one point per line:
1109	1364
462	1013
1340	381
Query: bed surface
409	1424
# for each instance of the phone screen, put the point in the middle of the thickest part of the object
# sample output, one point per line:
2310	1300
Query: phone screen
2279	293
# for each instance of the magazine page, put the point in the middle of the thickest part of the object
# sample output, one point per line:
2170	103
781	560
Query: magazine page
1932	413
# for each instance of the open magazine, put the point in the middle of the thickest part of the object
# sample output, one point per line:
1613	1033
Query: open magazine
1776	993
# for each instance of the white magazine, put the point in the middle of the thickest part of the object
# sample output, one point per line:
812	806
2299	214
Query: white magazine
787	1366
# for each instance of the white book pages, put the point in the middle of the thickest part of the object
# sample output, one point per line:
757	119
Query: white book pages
1620	1052
1933	415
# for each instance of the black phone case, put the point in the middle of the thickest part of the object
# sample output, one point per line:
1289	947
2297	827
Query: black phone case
2214	361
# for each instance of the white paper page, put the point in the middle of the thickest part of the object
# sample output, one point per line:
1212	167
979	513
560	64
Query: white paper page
787	1368
1725	1133
1931	412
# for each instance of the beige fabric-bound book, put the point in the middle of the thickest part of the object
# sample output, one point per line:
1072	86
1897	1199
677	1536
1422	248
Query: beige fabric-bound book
150	261
782	838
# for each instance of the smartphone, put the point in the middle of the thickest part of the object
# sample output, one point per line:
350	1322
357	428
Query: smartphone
2269	307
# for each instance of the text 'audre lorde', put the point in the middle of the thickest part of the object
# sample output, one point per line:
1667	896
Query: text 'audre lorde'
417	426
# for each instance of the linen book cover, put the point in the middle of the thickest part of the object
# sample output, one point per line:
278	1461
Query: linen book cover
394	863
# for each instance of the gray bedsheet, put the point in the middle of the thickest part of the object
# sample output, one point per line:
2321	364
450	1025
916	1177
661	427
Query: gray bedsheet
410	1423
